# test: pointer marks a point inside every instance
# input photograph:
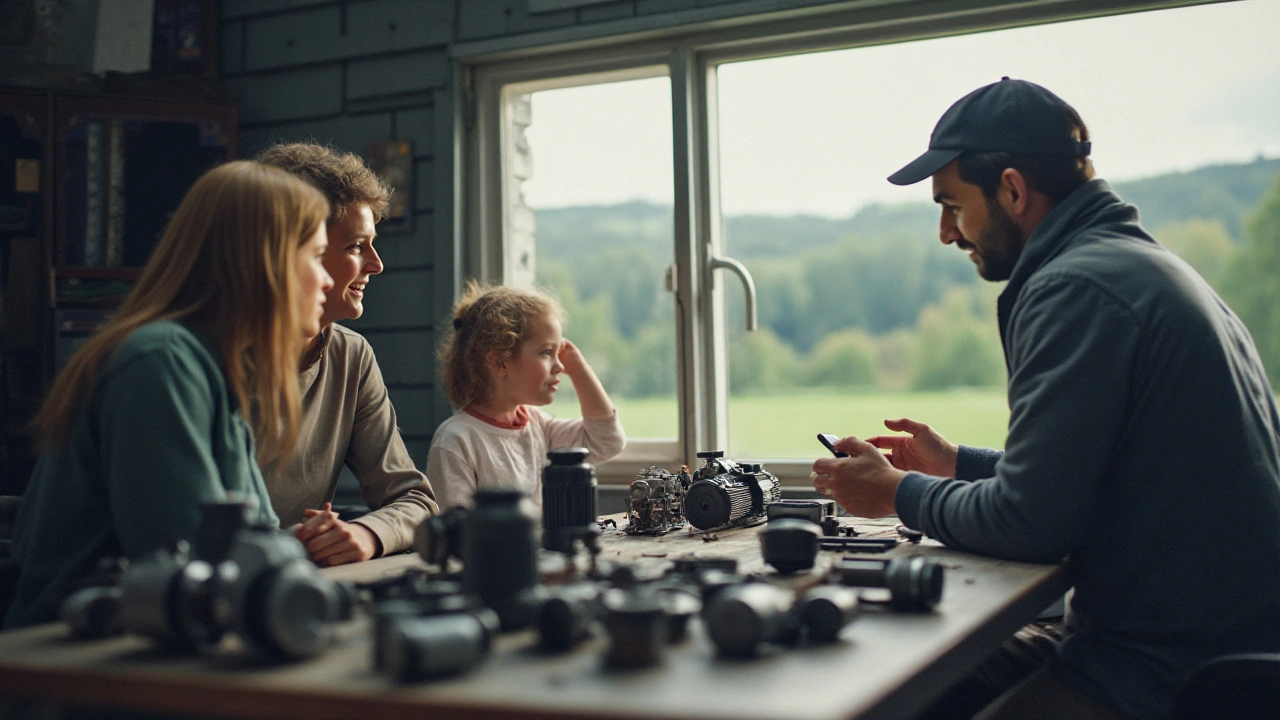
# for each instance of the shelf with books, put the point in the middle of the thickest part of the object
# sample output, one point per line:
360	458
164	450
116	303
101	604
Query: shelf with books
88	182
123	166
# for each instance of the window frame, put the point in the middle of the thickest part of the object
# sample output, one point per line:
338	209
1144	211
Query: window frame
690	56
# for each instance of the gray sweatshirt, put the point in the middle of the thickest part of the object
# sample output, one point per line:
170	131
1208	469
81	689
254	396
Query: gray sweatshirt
1142	446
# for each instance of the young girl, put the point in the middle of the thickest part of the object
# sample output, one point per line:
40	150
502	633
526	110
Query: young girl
148	421
502	361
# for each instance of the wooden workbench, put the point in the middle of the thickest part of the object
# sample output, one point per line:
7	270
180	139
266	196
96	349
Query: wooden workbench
888	665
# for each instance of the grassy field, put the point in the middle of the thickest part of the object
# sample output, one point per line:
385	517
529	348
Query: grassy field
784	425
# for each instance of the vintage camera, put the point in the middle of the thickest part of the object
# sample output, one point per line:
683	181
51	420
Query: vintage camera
657	501
426	628
254	580
280	602
725	493
497	541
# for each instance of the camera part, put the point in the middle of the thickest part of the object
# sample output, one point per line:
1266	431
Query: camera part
386	614
790	545
691	564
656	504
858	544
815	511
830	526
497	541
637	628
499	554
439	537
93	612
712	581
566	616
415	584
914	583
823	611
280	602
179	602
255	580
741	618
568	498
414	595
679	605
727	494
914	536
421	648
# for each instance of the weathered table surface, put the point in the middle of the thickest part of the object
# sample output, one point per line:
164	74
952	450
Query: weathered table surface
887	664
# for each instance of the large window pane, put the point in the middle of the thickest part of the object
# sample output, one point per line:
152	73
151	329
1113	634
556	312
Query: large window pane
864	314
601	189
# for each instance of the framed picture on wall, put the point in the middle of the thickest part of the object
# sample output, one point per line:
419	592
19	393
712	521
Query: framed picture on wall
392	161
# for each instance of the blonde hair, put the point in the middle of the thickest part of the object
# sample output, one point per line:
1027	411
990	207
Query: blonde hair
226	265
488	320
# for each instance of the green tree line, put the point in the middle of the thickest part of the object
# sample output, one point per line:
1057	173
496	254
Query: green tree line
875	300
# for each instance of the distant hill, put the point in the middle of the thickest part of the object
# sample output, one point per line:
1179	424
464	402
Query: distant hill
1226	193
1215	192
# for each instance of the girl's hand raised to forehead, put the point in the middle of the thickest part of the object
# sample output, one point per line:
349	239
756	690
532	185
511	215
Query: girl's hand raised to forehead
572	360
592	398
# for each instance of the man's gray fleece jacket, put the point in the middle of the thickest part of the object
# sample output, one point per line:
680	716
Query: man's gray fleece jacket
1142	446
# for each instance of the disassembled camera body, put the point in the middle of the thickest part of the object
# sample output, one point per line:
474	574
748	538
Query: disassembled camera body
726	494
656	502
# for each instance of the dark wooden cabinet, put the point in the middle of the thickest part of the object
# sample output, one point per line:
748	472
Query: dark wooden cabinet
87	185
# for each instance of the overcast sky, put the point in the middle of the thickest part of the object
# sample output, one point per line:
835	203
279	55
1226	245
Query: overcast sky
1161	91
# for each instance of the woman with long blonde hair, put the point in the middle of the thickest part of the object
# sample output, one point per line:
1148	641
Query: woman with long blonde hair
187	388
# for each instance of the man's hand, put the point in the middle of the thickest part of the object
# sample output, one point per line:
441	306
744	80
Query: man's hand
864	483
330	541
923	451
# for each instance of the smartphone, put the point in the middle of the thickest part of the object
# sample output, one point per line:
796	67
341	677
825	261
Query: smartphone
830	441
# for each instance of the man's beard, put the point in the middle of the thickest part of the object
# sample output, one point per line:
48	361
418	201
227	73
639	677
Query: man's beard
999	245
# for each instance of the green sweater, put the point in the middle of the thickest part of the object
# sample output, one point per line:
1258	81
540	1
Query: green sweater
161	435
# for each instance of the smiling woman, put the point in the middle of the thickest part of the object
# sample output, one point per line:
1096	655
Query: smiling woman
347	417
351	260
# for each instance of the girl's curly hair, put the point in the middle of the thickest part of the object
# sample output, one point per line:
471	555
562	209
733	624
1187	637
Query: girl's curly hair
488	319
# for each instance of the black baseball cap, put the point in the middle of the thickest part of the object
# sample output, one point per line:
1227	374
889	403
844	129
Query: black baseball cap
1013	116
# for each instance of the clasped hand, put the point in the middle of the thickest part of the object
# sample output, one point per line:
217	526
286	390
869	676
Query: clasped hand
330	541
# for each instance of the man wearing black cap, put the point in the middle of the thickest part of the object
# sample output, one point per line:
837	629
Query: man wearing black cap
1142	424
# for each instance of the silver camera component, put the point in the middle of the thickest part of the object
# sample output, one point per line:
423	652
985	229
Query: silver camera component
179	602
725	493
254	580
280	602
656	504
